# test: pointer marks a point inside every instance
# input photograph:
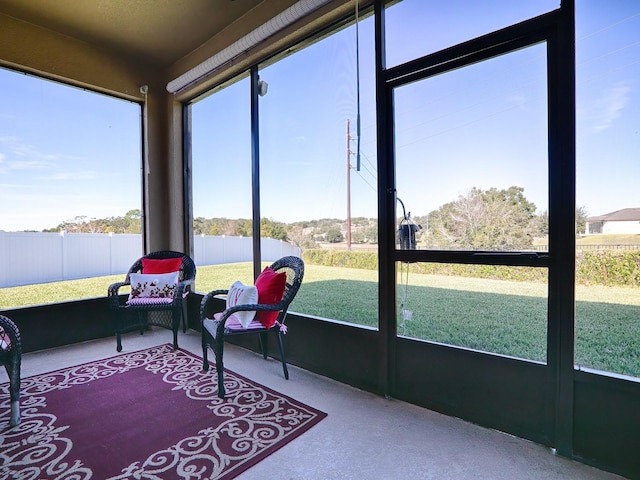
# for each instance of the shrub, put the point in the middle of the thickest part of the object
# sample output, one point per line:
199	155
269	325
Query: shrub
608	268
341	258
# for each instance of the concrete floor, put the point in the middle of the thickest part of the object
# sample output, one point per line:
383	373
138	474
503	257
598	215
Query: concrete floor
364	436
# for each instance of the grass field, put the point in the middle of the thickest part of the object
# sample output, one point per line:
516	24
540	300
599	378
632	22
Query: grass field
611	239
502	317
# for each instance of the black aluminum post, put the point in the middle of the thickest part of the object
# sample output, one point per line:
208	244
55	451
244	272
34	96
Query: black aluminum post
255	172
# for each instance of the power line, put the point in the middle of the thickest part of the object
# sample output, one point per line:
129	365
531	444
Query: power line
608	27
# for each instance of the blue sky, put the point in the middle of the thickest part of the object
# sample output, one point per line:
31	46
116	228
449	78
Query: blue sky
66	153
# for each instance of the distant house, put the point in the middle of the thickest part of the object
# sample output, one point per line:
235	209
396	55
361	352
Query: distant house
622	221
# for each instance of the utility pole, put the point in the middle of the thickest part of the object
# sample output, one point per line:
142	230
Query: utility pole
348	187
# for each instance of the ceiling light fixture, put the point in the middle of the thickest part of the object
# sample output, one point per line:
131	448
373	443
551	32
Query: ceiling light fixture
264	31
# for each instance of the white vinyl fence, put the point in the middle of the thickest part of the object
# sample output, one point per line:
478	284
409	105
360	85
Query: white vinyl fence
28	258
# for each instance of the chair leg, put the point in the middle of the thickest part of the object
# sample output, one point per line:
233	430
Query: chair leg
141	322
116	324
175	326
184	315
218	351
205	351
15	413
13	372
263	344
284	360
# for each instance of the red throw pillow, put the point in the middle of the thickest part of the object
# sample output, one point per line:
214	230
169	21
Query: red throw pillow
270	287
161	265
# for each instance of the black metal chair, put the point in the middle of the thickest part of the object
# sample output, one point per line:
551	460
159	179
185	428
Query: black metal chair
11	357
129	316
215	330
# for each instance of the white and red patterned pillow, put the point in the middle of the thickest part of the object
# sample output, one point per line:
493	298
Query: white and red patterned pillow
153	287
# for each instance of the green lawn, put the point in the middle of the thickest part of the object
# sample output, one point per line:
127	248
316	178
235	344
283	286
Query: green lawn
609	239
503	317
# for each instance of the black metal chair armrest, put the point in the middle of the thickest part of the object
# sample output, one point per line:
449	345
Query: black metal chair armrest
222	320
204	303
115	287
180	290
114	295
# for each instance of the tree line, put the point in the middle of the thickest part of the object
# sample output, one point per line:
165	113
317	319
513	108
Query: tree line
501	219
130	222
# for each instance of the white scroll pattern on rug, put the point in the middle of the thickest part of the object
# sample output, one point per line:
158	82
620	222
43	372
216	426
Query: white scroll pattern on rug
249	422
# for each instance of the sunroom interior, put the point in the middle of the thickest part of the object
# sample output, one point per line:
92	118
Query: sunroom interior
202	73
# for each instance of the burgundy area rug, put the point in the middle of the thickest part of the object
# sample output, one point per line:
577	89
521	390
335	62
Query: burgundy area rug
152	414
